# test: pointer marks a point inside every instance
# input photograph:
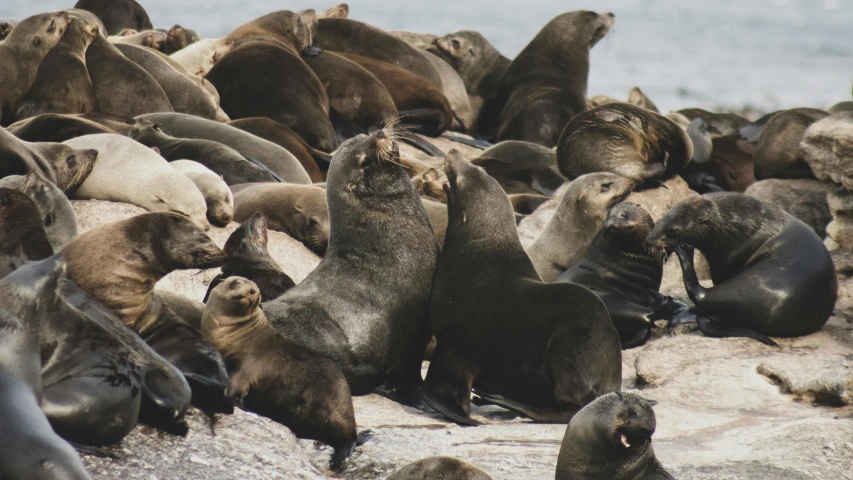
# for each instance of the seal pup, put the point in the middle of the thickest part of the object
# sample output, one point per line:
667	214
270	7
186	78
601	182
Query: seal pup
626	274
545	85
22	236
247	256
578	218
611	439
259	151
217	195
626	140
772	274
6	27
21	54
160	243
444	468
276	377
54	209
128	172
778	154
62	83
300	211
484	282
315	162
118	14
55	127
365	304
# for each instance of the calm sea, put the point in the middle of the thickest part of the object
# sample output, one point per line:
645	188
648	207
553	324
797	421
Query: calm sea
725	53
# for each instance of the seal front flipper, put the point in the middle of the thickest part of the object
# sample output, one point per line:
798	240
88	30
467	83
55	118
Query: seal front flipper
691	282
712	328
343	452
447	388
537	414
418	142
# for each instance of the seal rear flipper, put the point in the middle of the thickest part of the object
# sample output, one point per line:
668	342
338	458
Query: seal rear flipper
419	143
447	388
422	120
344	129
715	329
471	142
537	414
263	166
162	406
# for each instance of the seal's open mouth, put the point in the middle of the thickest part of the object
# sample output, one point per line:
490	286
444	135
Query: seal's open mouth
624	440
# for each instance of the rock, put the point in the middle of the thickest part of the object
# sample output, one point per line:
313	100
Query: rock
840	229
827	147
815	380
843	260
802	198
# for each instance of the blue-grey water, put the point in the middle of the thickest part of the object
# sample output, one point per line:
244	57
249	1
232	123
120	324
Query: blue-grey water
724	53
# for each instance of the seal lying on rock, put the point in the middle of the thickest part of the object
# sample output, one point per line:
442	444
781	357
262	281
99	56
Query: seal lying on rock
561	356
217	195
275	377
611	439
772	274
626	274
444	468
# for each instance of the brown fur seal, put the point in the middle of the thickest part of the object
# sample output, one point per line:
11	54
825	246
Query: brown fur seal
254	148
484	282
21	54
437	213
611	439
284	89
217	195
300	211
626	140
286	138
636	97
55	127
778	155
453	87
6	27
353	37
803	198
161	243
23	238
121	86
200	57
578	218
772	274
62	84
247	256
526	203
291	30
522	167
430	184
545	85
338	11
626	274
118	14
276	377
444	468
221	159
63	165
720	123
365	304
54	209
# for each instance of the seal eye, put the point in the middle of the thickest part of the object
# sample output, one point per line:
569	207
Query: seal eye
605	187
672	232
623	215
48	220
455	43
51	27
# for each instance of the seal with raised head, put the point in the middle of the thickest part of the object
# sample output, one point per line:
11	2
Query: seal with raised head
160	243
444	468
625	273
255	149
247	256
778	154
56	127
275	377
200	57
54	209
545	85
772	274
624	139
484	283
300	211
22	236
365	304
611	439
21	54
582	210
118	14
128	172
217	195
62	83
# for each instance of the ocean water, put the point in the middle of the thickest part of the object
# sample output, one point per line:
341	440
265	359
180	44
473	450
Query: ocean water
764	54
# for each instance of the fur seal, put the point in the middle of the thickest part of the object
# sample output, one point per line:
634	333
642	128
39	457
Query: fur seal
578	218
545	85
611	439
121	86
365	304
22	237
217	195
63	165
118	14
300	211
720	123
626	140
456	94
526	203
286	138
444	468
252	147
338	11
55	127
128	172
6	27
803	198
247	256
62	83
572	352
437	213
30	447
637	98
626	274
778	155
522	167
21	54
276	377
201	56
185	95
353	37
54	209
752	247
291	30
160	243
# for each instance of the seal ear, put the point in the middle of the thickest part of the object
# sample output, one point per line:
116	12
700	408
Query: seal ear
36	40
158	199
297	209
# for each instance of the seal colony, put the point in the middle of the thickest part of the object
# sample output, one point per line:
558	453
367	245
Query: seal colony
291	122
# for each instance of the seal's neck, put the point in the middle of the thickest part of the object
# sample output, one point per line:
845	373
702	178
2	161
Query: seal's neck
233	337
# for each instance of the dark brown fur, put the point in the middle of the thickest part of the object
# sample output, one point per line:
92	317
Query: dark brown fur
287	139
118	14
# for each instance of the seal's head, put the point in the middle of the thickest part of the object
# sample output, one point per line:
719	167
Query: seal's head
368	167
685	224
249	240
235	299
613	425
629	221
598	192
175	242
